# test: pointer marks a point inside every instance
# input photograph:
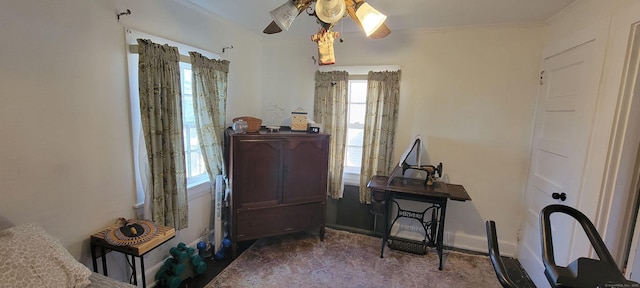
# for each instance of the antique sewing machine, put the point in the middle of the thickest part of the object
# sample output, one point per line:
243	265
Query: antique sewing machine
430	169
413	151
386	191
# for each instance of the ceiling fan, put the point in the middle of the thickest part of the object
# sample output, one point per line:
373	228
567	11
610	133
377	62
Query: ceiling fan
328	13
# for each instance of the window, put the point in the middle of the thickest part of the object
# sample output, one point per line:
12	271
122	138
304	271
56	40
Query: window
356	109
194	164
197	177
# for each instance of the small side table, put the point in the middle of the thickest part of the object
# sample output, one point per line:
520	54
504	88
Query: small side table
134	250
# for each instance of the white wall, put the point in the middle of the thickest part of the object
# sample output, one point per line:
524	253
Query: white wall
469	92
65	144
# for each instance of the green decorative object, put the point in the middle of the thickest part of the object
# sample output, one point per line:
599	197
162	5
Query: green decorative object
182	264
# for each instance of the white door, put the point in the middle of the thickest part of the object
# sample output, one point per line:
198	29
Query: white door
564	120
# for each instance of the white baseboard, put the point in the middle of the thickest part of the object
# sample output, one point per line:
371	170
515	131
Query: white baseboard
477	244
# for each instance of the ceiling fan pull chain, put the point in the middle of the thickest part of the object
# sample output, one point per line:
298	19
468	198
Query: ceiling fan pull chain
341	29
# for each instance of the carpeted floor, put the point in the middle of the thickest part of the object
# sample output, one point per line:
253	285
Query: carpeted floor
347	259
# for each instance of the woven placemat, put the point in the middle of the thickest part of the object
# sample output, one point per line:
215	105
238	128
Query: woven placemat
133	232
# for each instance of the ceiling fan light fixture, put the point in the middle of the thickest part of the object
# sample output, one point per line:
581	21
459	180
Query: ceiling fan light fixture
284	15
370	18
330	11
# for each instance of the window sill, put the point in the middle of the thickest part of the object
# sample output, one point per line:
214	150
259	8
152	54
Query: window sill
196	190
352	179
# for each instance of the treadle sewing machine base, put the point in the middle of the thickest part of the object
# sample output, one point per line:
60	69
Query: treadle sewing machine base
407	245
384	192
429	227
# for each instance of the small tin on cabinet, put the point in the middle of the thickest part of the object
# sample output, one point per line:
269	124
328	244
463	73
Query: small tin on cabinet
299	120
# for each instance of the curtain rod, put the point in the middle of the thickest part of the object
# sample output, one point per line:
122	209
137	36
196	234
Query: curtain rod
183	58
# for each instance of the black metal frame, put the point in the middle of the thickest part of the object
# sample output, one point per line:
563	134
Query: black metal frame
434	229
496	259
583	272
428	225
106	248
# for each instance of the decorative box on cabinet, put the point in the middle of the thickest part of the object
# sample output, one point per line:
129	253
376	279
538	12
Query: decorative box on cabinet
278	183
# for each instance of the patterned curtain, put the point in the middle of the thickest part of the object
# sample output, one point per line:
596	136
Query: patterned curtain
330	110
383	94
161	115
210	106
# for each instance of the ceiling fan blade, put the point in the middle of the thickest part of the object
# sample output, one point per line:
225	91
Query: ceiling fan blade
351	10
272	28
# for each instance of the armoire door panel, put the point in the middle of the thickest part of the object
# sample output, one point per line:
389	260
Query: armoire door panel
305	167
257	169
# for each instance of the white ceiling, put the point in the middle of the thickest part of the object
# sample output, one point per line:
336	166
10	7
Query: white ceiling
402	14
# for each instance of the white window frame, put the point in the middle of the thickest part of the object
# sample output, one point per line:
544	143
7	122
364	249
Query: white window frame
203	177
351	174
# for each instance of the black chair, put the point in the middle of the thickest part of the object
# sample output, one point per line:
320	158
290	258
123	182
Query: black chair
496	260
583	272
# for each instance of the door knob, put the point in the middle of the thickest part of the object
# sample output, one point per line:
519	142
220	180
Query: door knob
562	196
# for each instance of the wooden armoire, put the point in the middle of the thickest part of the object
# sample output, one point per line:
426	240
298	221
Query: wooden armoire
278	183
